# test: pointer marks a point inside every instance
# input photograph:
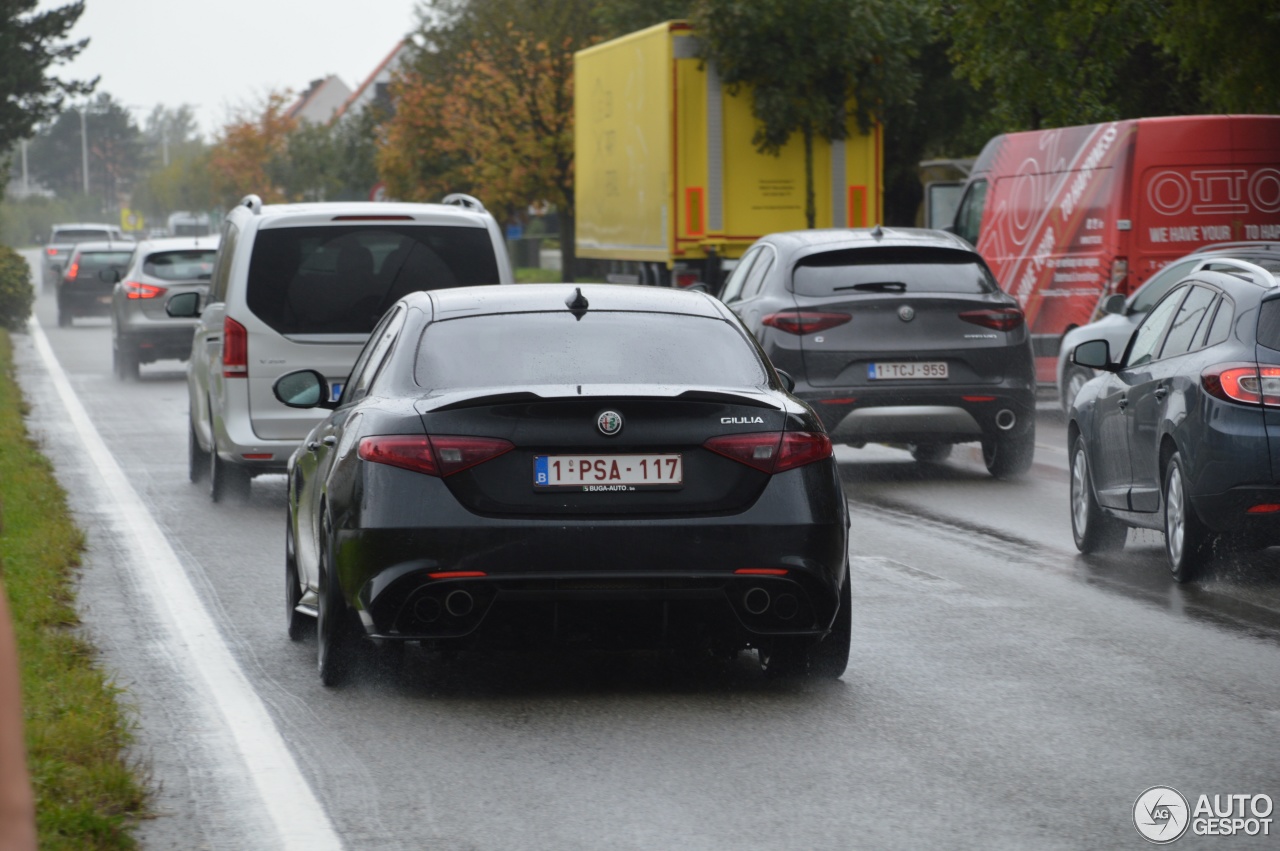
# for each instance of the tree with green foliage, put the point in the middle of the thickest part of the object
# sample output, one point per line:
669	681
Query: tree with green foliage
810	64
31	42
1232	47
1055	63
114	145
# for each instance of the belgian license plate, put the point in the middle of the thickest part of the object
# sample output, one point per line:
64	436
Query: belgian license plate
907	369
605	473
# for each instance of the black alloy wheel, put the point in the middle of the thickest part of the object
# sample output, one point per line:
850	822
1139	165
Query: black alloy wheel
226	479
1187	541
930	453
830	657
124	362
1008	454
297	623
1094	530
197	458
335	644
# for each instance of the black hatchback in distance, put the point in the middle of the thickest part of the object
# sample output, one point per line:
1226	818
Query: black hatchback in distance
1182	433
618	466
894	335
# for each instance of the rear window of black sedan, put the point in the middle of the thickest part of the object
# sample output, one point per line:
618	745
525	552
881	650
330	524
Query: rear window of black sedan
603	347
892	270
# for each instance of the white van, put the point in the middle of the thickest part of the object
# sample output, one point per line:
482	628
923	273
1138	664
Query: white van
303	285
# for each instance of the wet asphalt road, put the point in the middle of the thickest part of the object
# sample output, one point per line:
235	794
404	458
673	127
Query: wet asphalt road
1003	692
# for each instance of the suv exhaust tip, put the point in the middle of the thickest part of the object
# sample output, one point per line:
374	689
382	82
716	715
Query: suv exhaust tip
1006	419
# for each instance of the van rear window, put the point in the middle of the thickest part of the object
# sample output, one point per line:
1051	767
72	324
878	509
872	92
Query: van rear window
341	279
892	270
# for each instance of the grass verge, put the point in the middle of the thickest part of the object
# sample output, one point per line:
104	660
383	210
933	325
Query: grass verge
87	794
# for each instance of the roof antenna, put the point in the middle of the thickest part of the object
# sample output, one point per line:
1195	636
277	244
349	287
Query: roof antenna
877	232
577	303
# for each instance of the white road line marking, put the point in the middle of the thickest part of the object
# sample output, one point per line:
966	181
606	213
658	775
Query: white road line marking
300	822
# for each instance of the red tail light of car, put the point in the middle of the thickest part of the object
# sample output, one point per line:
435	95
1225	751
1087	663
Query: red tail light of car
52	252
997	318
804	321
772	451
136	289
440	455
72	271
1252	384
235	349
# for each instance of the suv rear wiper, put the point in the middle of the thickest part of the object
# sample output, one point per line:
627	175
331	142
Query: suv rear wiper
876	287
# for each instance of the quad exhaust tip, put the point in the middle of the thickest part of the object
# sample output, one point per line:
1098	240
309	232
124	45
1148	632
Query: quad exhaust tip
756	601
427	609
1006	419
459	603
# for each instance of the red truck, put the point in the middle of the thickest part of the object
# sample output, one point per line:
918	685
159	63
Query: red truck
1066	217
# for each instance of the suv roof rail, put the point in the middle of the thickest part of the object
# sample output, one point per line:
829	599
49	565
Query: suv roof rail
1243	269
1265	245
460	199
253	202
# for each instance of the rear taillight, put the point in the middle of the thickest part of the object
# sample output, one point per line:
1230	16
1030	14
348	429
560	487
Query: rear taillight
52	252
135	289
805	321
772	451
1249	383
72	271
686	279
441	455
235	349
997	318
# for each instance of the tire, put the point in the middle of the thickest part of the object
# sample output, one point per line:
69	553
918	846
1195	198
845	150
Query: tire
1094	530
226	480
124	362
296	623
930	453
1187	541
197	458
829	658
1074	378
335	640
1008	455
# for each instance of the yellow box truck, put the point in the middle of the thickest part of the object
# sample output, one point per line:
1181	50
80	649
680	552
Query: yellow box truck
667	177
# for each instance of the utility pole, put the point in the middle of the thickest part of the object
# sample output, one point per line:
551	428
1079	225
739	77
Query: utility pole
84	151
26	181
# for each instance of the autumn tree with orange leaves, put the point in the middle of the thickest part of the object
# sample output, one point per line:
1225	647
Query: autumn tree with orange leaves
488	107
246	154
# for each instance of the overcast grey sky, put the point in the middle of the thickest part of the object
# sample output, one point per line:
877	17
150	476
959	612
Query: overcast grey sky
222	55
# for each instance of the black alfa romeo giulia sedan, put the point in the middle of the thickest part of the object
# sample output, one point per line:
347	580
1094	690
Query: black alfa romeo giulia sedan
617	466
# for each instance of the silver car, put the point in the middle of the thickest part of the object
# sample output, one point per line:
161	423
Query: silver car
303	285
1122	315
141	330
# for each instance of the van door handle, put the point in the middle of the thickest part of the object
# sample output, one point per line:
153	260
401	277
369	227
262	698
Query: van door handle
1161	392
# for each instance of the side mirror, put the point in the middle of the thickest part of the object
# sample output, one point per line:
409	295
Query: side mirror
1095	354
183	306
787	381
1114	304
305	388
110	276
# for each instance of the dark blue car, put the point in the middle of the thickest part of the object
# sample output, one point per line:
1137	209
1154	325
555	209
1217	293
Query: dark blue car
1182	433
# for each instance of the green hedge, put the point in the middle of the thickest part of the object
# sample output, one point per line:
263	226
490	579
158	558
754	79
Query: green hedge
16	292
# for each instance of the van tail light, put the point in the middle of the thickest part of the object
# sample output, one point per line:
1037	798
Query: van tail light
997	318
135	289
72	271
235	349
1119	274
441	455
1249	383
804	321
52	252
772	451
